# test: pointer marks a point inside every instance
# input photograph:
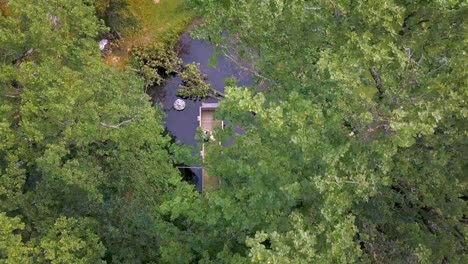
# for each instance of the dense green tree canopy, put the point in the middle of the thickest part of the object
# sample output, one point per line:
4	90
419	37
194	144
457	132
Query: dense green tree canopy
83	161
355	149
353	145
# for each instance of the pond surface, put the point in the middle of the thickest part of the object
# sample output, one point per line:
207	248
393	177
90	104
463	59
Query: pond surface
183	124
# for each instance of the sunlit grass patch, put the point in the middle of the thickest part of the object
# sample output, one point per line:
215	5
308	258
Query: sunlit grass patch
158	22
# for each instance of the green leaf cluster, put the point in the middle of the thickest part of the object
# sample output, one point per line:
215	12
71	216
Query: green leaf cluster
83	159
194	85
353	138
156	62
352	145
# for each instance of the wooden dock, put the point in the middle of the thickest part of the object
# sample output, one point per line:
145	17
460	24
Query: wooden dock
207	125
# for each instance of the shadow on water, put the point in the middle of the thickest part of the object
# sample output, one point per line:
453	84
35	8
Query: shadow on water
192	175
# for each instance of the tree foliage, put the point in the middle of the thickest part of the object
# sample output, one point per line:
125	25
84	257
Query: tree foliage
355	149
83	162
156	62
12	249
194	85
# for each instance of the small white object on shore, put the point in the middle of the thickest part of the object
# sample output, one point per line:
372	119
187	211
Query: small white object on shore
102	44
179	104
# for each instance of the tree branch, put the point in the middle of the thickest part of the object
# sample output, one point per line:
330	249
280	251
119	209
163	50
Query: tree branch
217	94
23	56
246	69
12	95
118	125
378	82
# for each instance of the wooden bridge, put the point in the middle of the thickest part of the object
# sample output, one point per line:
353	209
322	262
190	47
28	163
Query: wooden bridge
207	125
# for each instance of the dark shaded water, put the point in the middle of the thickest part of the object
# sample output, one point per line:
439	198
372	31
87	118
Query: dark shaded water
183	124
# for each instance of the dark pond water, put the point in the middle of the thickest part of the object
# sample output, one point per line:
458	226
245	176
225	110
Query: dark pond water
183	124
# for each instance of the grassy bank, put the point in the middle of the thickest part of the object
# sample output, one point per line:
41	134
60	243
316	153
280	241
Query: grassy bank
162	20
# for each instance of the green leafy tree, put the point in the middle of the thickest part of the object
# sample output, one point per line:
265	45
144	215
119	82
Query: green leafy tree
12	249
72	241
156	62
194	84
358	137
83	162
